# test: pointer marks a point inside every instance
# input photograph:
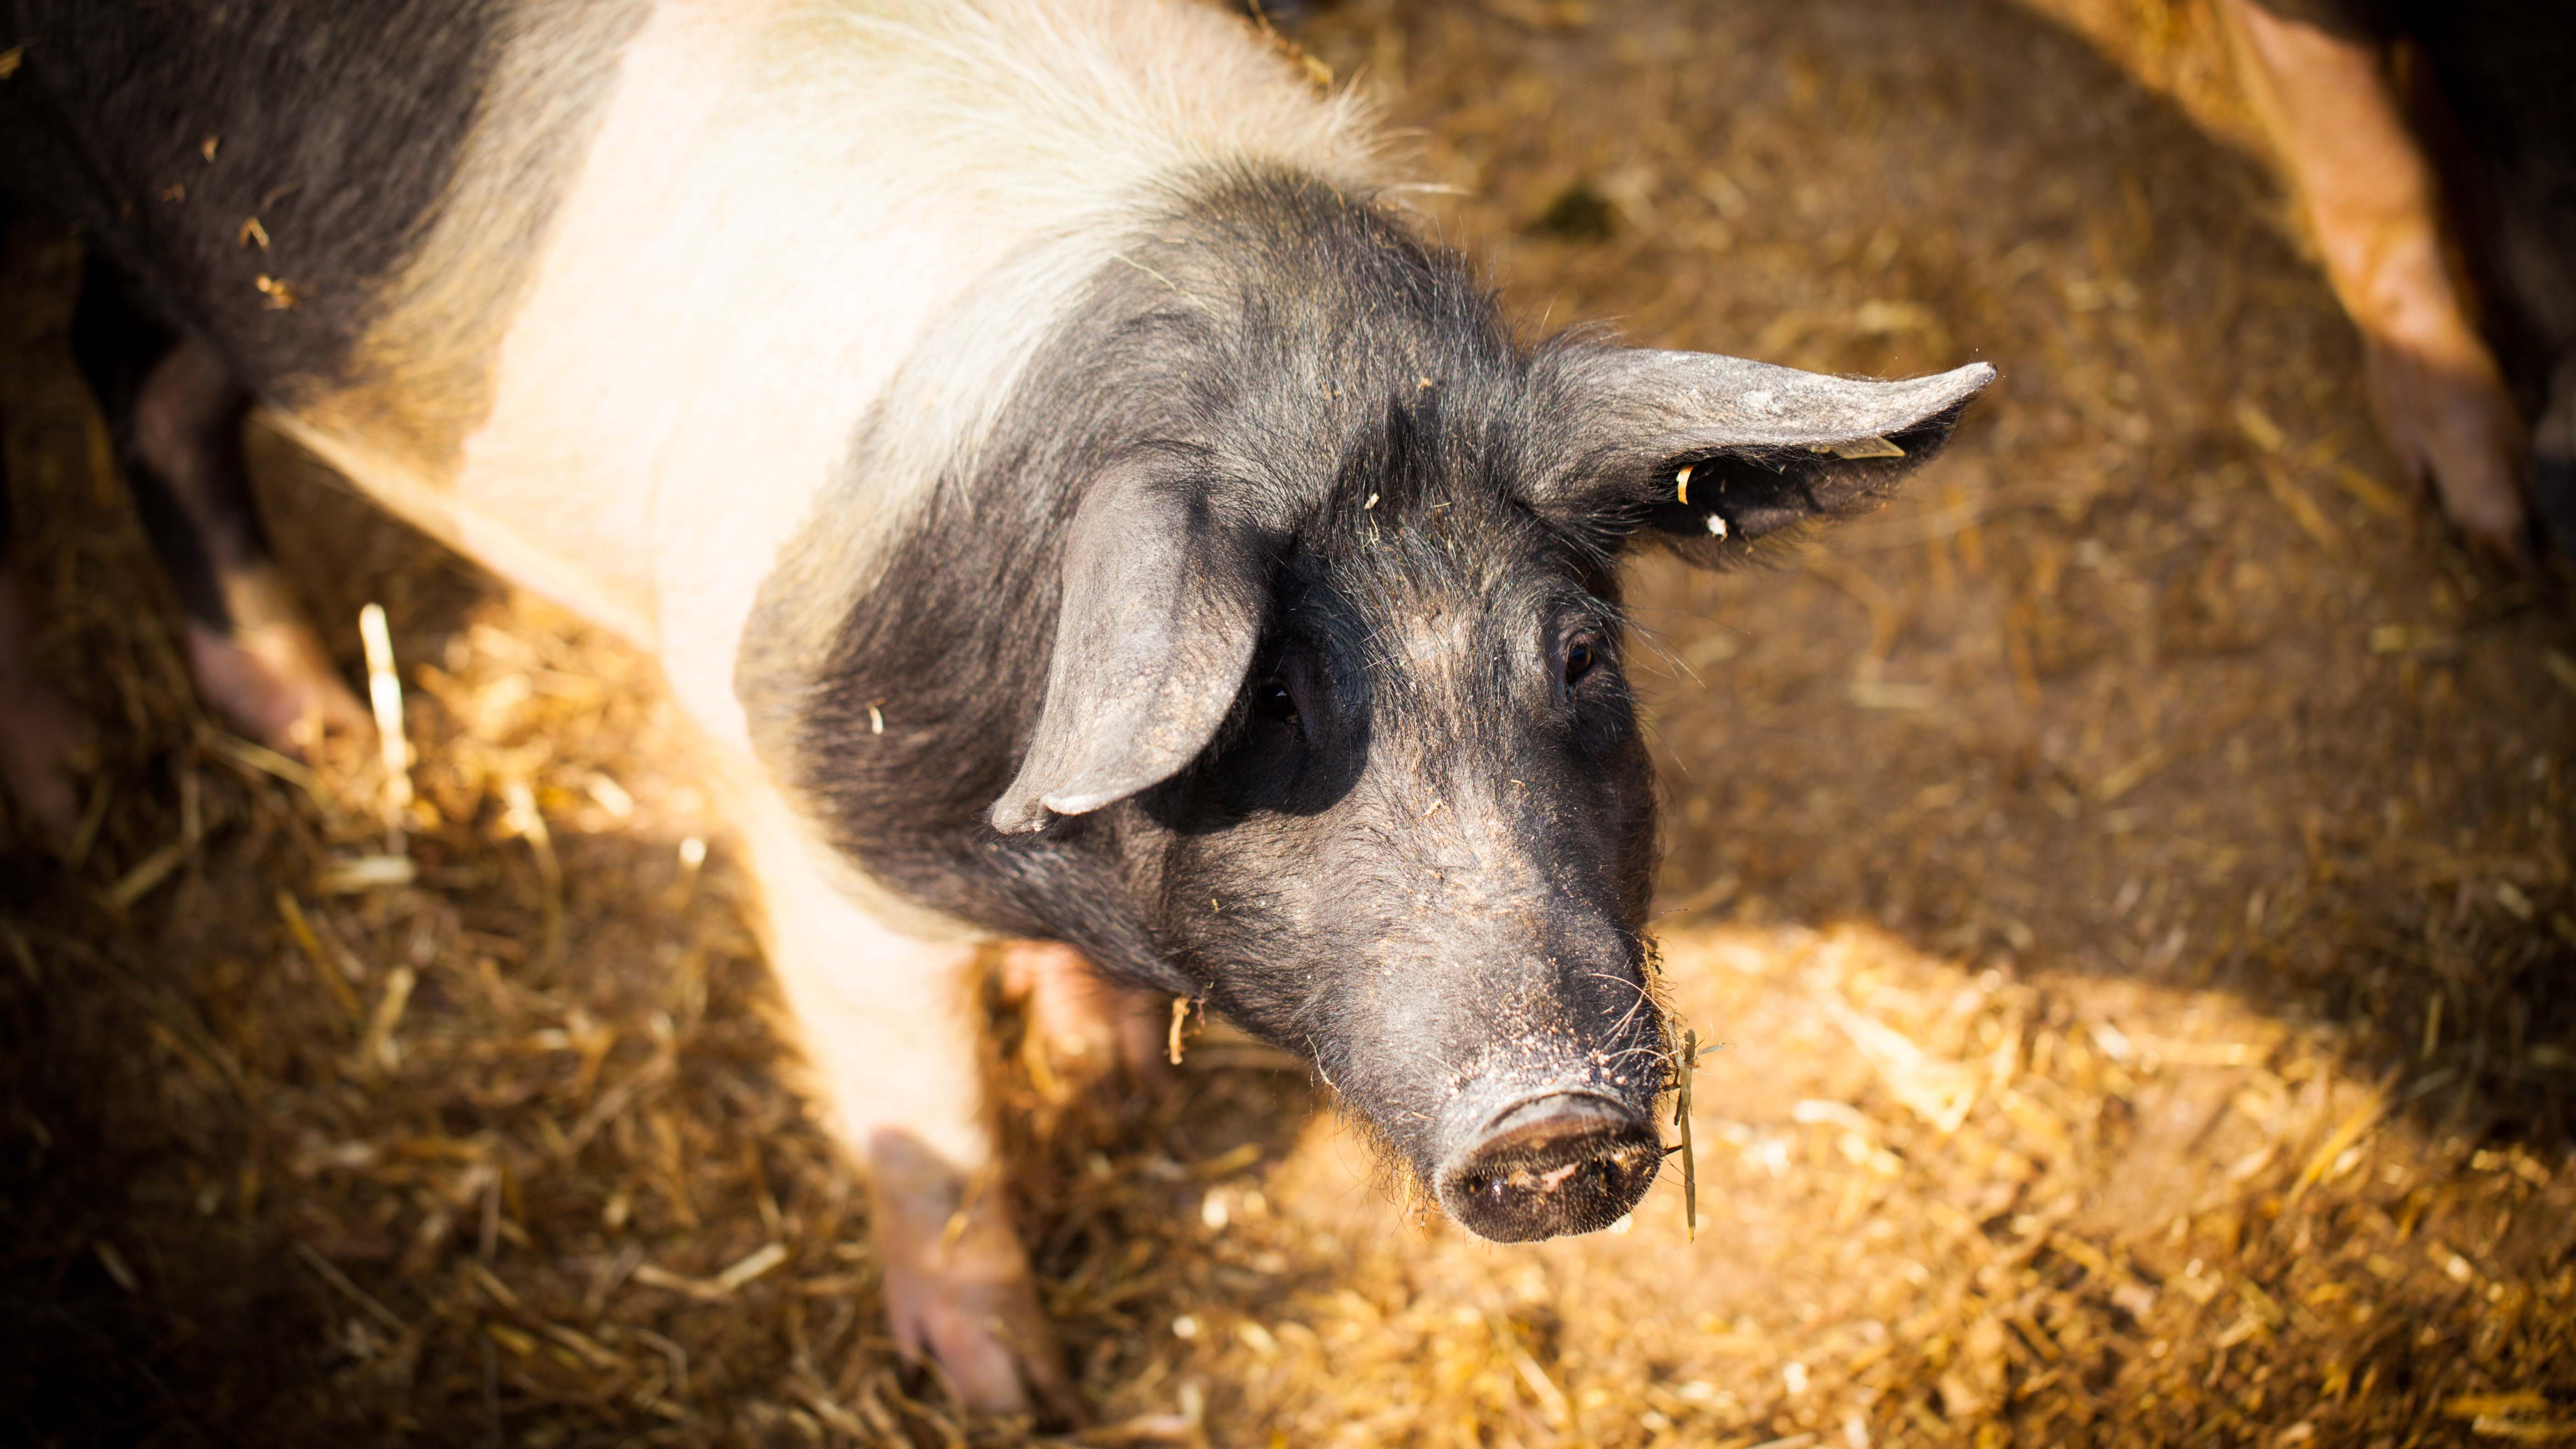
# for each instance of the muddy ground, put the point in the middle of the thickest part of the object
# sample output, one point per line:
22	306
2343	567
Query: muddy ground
2128	880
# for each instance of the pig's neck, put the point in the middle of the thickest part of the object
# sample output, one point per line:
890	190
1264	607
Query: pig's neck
892	668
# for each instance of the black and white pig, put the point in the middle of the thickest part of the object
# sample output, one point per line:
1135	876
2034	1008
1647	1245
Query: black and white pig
1070	502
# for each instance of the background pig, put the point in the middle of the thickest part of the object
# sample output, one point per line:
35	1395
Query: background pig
2434	148
1066	500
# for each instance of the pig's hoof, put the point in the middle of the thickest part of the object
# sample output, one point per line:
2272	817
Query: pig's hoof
42	741
958	1290
2491	517
1086	1025
988	1339
2452	422
272	682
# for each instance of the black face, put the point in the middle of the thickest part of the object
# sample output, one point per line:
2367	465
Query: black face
1420	848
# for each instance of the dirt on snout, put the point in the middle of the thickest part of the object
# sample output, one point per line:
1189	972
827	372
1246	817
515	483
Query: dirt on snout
2126	884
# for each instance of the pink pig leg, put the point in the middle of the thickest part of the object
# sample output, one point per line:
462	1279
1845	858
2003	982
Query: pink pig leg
887	1008
1089	1025
2374	205
256	659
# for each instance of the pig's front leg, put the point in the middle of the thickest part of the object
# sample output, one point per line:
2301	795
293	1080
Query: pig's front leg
1089	1026
957	1284
889	1023
2375	206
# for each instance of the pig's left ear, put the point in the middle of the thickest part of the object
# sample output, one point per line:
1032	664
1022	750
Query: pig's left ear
1165	581
1709	453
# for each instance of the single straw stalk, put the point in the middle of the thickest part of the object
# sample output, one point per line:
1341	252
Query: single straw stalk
384	692
1682	1119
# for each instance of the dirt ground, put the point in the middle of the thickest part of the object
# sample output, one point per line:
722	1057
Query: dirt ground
2128	881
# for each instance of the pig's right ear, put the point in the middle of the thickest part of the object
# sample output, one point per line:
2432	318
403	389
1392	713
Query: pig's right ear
1163	596
1707	453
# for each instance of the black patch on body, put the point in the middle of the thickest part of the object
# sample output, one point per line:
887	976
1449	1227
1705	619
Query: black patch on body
336	125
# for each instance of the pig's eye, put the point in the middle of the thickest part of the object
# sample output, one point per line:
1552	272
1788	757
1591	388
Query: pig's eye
1580	656
1272	701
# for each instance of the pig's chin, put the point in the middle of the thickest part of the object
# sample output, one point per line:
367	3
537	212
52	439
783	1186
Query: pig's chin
1522	1165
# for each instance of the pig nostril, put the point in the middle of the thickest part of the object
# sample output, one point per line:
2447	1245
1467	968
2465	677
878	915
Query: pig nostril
1568	1162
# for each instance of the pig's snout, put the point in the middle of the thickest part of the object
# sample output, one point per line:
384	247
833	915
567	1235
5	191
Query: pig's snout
1561	1162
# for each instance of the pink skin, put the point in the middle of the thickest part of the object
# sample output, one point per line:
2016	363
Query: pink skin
269	676
958	1289
1089	1026
2374	205
41	735
959	1292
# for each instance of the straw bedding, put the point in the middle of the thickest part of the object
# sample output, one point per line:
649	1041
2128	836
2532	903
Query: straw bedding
2125	888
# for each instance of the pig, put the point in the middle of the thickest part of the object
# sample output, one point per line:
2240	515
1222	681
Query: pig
1073	504
2433	151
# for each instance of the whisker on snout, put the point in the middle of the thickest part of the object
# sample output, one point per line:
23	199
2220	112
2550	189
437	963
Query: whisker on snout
1644	998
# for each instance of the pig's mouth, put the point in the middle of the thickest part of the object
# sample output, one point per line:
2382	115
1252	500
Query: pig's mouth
1561	1162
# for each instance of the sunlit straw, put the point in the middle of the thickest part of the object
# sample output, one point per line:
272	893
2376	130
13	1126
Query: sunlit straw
384	691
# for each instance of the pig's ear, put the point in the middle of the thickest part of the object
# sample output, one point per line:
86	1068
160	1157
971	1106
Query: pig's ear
1709	453
1163	596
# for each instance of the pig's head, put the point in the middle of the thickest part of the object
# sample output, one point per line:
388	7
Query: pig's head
1269	650
1350	714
